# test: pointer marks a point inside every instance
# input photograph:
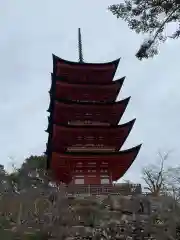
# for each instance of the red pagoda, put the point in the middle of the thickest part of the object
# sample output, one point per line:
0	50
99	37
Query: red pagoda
84	136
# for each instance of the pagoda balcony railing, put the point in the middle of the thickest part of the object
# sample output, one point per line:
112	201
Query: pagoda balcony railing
88	123
86	101
96	148
104	189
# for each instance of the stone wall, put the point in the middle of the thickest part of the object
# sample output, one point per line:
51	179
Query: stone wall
65	216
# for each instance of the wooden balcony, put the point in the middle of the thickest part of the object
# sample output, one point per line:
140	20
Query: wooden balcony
88	123
90	148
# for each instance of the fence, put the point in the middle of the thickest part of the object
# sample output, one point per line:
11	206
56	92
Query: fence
116	189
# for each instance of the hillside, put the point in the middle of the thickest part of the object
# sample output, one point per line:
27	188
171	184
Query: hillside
40	213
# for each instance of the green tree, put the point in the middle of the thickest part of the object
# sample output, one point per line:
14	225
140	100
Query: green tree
149	17
31	174
4	180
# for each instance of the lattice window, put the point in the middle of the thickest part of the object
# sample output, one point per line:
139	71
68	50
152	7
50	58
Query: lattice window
88	114
91	163
79	181
104	176
78	170
90	138
79	163
104	163
79	138
87	122
91	170
105	181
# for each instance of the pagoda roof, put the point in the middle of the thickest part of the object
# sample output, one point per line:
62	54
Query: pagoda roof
63	112
64	137
98	73
85	92
71	83
90	128
95	105
57	60
119	162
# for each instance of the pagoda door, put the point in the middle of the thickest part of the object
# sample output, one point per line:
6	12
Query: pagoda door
92	179
79	181
105	179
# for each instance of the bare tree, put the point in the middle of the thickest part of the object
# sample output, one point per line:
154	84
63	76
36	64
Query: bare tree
173	182
155	175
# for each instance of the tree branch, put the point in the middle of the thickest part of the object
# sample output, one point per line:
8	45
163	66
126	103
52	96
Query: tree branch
150	42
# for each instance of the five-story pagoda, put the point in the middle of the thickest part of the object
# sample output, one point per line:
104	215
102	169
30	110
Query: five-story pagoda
84	135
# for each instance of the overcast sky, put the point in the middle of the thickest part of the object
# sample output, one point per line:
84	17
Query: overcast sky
32	30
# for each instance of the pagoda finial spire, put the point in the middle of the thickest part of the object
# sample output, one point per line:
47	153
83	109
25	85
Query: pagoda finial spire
80	46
